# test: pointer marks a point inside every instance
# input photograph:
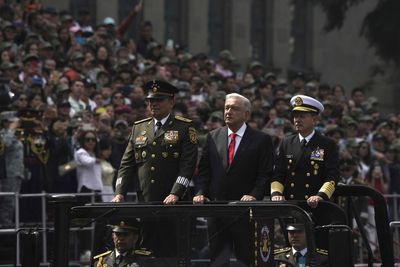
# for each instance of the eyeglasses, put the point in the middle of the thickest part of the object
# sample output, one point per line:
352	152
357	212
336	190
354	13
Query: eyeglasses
87	139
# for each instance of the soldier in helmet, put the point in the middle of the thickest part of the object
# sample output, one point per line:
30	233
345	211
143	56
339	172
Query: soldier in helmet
125	235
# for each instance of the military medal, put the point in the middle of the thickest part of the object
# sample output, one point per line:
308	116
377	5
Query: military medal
317	154
143	132
171	137
176	155
164	154
140	140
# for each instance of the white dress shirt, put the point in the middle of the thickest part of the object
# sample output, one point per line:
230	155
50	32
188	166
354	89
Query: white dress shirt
239	135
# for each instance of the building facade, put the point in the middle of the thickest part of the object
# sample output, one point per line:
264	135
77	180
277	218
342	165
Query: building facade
284	35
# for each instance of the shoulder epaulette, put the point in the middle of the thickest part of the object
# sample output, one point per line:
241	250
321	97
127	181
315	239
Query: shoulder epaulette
280	250
102	254
180	118
322	251
143	252
147	119
358	181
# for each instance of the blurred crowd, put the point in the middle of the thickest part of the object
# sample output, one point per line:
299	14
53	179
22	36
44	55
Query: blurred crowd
68	86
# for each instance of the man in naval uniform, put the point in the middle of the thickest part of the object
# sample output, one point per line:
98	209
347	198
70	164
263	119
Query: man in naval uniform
307	167
161	154
125	235
296	254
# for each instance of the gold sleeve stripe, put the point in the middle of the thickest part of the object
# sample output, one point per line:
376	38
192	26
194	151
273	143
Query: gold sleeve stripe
276	187
328	188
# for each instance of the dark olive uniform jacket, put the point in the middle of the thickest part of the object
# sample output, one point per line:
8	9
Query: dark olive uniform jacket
163	164
301	173
108	259
284	258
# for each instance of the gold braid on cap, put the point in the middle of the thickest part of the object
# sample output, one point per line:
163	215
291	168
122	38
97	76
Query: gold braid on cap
328	188
276	187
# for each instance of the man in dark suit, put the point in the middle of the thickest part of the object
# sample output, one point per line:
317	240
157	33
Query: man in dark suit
161	156
307	166
235	166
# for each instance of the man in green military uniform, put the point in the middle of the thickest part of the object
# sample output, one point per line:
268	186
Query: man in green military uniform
296	254
125	235
161	154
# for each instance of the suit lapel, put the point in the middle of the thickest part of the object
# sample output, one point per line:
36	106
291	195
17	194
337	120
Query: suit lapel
222	146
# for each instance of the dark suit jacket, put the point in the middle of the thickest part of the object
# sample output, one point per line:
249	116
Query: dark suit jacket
308	172
249	172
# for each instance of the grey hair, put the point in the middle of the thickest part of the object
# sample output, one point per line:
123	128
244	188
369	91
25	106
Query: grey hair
245	101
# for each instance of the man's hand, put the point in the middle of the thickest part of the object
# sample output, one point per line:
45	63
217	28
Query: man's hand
247	198
171	199
278	198
200	199
118	198
138	7
313	201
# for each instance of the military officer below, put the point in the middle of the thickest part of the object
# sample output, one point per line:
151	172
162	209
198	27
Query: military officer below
307	167
162	155
296	255
125	235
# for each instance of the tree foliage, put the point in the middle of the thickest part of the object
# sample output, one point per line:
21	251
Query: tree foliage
380	27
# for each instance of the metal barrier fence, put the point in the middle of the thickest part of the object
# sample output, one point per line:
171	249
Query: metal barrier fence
44	226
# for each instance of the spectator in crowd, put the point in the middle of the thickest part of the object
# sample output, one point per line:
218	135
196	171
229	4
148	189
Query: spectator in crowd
11	165
107	170
88	166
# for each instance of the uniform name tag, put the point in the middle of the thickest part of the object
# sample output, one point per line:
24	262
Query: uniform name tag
171	137
289	156
317	154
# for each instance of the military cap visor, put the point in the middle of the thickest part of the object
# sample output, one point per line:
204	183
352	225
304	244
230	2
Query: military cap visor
159	89
305	103
126	227
295	227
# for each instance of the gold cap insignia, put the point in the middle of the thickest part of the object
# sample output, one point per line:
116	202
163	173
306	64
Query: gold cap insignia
298	101
122	223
